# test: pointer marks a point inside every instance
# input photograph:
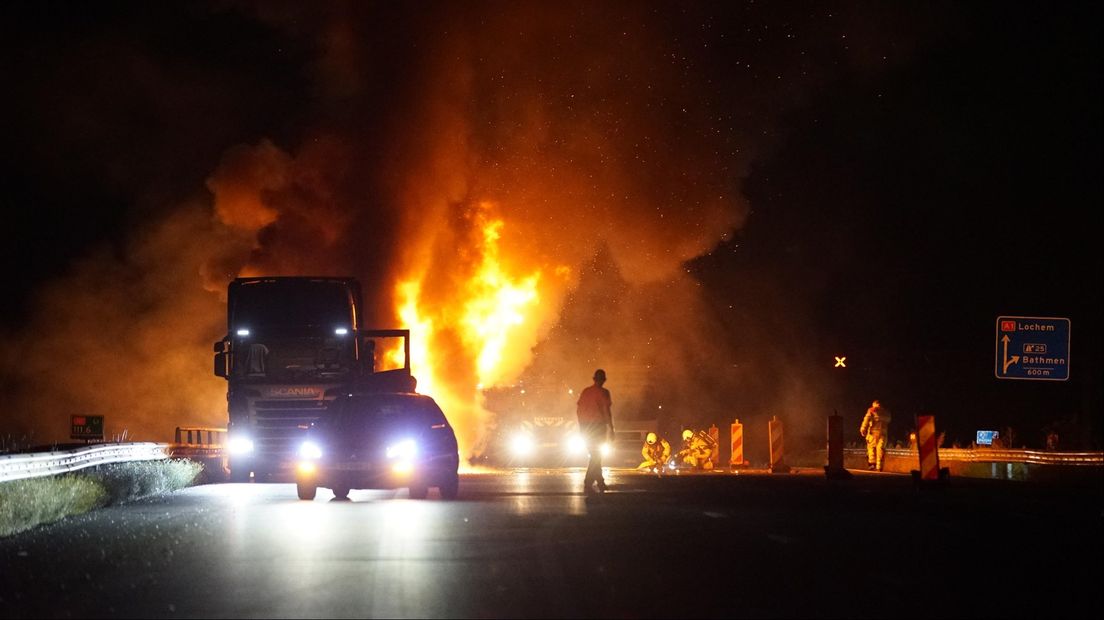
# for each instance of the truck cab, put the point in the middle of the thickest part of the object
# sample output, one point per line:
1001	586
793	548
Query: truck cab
293	344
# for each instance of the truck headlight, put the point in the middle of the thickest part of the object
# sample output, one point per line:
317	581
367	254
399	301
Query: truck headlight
240	444
521	444
405	450
576	444
310	450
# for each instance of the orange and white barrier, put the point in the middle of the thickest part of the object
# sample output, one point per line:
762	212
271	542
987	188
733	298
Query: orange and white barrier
715	435
777	460
929	448
737	442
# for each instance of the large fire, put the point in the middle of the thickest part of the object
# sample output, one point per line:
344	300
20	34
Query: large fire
488	315
600	149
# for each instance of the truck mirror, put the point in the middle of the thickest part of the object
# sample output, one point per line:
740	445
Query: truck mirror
220	346
221	365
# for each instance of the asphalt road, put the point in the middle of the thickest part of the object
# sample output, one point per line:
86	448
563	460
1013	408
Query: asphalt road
529	544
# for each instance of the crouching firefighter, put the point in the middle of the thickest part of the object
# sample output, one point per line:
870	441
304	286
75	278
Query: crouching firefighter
695	451
656	451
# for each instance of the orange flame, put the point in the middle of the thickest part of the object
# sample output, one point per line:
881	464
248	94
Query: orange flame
495	306
488	312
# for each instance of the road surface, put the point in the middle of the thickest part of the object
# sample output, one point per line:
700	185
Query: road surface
529	544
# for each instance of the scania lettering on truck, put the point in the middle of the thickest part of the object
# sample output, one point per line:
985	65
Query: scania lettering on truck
293	344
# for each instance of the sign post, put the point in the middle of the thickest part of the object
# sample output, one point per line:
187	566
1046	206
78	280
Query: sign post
1032	348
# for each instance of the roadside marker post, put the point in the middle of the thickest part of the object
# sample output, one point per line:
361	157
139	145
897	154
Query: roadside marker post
835	470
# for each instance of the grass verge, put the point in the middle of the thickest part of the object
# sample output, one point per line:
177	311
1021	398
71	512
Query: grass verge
35	501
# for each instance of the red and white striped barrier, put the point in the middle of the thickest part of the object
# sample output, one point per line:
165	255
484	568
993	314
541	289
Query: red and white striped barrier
736	458
928	448
715	435
777	458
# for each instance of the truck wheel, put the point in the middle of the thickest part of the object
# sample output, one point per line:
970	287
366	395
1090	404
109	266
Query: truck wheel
450	486
341	492
418	491
306	491
239	474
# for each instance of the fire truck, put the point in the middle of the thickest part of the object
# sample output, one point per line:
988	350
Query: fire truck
292	345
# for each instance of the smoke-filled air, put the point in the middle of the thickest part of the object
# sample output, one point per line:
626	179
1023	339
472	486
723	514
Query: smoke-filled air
521	184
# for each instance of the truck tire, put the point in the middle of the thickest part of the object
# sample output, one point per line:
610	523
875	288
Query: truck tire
239	474
450	486
306	491
341	492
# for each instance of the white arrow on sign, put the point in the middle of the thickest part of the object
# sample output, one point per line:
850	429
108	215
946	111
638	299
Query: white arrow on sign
1008	361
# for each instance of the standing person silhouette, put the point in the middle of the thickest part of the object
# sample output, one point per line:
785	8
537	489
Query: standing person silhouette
596	426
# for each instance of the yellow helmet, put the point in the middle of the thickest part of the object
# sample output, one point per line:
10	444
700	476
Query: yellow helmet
651	438
687	434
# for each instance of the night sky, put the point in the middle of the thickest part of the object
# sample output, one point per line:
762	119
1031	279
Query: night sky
764	186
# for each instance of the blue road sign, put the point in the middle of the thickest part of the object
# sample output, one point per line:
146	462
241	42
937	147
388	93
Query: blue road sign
1033	348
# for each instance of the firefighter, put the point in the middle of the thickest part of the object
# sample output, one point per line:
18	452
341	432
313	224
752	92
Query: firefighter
875	429
656	451
695	451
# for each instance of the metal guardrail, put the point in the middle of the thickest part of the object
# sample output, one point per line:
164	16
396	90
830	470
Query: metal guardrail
998	455
198	442
37	464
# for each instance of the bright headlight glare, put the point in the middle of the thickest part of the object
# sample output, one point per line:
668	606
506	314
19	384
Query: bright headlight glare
243	332
606	449
576	444
405	450
521	444
240	445
310	450
341	331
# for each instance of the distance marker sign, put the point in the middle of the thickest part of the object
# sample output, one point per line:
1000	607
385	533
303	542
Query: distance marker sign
86	427
1032	348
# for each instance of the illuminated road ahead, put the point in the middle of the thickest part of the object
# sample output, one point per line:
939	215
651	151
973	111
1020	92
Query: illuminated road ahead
524	545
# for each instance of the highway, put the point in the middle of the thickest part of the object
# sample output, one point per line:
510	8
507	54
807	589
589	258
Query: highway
523	544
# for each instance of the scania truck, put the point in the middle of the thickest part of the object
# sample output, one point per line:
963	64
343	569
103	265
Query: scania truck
292	345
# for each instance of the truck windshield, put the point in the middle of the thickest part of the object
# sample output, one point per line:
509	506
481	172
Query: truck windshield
297	303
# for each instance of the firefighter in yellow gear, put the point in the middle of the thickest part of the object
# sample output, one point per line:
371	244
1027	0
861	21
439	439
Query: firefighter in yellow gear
695	451
875	429
656	451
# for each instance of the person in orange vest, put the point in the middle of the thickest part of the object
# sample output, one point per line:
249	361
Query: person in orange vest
875	429
596	425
